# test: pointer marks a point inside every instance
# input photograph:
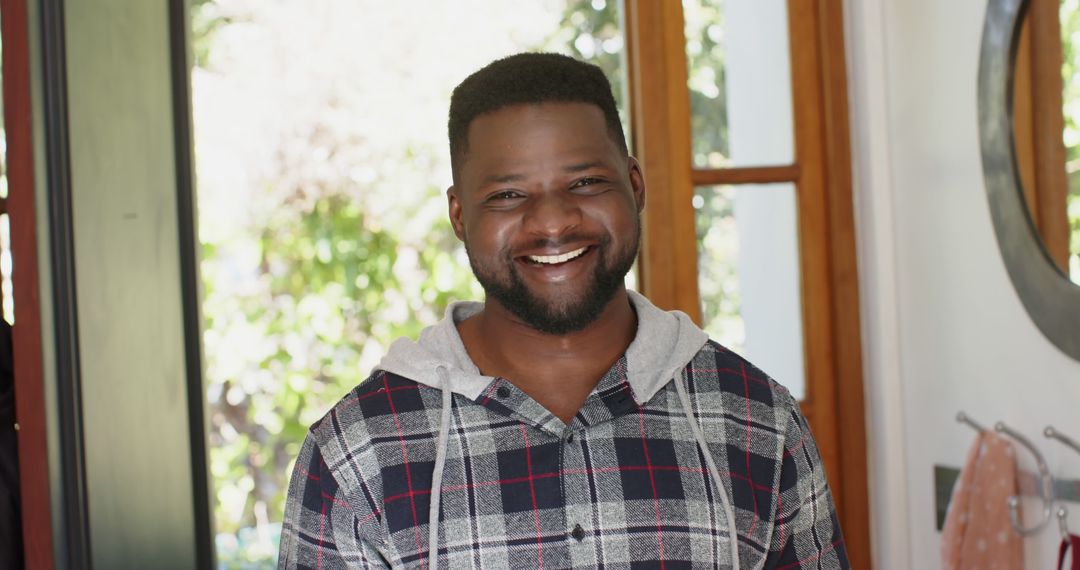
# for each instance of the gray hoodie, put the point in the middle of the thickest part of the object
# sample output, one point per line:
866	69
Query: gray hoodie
664	344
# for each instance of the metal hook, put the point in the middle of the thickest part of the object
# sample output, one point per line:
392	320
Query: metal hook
1046	484
964	419
1063	525
1055	434
1062	512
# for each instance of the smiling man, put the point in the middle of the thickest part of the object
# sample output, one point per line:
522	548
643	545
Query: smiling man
564	422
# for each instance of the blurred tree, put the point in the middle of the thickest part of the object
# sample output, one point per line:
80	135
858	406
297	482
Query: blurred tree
706	79
321	163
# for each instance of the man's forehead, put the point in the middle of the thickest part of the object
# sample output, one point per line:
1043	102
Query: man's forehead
524	127
545	110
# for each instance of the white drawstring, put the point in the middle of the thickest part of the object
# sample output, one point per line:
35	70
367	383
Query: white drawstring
733	533
437	473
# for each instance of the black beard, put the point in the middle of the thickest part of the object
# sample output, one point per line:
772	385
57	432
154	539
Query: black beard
543	316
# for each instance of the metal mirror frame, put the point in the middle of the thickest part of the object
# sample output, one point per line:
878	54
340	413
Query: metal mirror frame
1052	300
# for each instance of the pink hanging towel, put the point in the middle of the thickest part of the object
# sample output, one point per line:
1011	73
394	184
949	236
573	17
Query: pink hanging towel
977	532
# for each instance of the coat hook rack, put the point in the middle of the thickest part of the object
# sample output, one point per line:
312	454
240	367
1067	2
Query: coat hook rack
1049	489
1046	484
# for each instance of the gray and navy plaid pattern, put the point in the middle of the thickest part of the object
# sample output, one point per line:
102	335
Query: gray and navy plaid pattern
622	487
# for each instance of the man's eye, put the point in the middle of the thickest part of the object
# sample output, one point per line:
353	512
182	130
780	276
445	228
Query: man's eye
589	184
503	195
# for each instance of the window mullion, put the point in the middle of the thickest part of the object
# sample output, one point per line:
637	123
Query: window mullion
661	133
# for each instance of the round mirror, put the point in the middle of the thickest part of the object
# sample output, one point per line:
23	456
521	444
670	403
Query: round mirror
1043	283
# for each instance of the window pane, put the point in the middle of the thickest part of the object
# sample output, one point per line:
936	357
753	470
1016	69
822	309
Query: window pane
7	301
748	275
1070	44
6	286
739	78
321	162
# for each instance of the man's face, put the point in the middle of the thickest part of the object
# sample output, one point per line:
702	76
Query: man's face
549	209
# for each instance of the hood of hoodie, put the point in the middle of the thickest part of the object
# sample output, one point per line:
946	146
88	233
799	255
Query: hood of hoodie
665	342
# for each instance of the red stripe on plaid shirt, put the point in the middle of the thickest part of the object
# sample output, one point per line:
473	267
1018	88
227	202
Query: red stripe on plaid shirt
334	500
805	436
346	404
489	392
652	481
536	508
309	474
408	472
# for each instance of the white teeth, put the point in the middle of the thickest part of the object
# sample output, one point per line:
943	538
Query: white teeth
551	259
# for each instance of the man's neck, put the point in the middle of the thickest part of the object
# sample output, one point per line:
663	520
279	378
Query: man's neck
558	371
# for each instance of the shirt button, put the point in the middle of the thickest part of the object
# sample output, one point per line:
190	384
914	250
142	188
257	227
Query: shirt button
578	533
570	438
503	392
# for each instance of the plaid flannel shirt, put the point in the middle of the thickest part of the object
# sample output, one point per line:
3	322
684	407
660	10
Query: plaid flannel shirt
622	486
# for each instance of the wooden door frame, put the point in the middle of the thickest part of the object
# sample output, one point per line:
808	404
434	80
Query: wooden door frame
27	333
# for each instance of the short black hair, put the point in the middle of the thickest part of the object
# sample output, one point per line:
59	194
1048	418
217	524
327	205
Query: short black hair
529	78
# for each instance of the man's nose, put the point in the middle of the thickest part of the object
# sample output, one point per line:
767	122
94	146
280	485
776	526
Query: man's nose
553	214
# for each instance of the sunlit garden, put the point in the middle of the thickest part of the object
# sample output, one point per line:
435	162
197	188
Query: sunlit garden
322	163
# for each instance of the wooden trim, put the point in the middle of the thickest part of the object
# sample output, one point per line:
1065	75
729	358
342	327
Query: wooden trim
747	175
660	109
814	260
853	496
27	332
1023	115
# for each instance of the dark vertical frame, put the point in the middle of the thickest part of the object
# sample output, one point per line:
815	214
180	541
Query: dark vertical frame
189	275
73	505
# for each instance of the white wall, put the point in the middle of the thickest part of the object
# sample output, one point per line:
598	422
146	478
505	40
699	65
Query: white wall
944	330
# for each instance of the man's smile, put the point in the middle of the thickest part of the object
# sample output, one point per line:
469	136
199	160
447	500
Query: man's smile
556	259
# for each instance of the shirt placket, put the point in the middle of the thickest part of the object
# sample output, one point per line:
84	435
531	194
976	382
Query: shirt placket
580	504
586	519
541	427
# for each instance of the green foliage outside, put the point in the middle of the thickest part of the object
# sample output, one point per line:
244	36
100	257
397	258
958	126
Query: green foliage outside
321	167
714	206
706	79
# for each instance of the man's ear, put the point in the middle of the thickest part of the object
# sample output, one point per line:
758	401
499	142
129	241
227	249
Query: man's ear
637	183
454	207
